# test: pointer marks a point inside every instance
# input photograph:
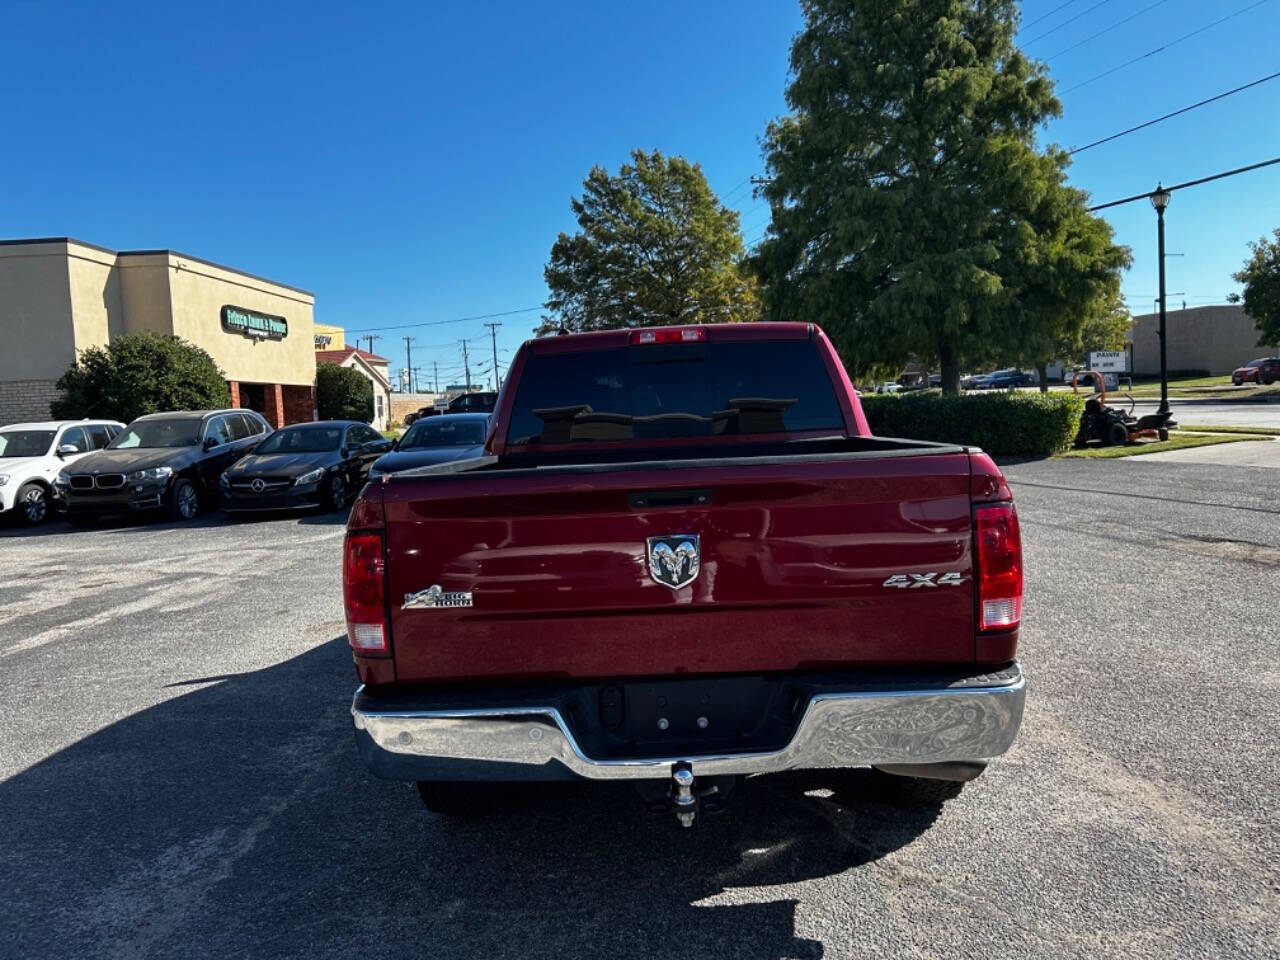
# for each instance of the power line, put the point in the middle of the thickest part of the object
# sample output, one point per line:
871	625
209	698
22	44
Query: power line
1189	183
1118	23
1167	116
437	323
1161	49
735	189
1064	23
1061	6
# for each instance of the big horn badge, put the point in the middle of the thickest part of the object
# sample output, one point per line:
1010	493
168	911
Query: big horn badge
674	561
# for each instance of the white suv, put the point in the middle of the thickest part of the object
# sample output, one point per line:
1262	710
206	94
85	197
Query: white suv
31	454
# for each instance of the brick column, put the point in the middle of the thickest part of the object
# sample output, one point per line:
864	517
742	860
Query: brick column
234	386
299	404
275	405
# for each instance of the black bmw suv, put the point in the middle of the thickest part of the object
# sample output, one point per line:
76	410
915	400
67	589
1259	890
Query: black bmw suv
163	461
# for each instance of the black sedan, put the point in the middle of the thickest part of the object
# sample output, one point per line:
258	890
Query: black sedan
435	440
306	465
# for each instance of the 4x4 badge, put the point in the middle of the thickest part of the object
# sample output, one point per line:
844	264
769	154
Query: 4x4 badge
913	581
674	561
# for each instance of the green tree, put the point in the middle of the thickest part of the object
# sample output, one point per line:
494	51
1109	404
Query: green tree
343	393
656	247
1261	278
913	213
138	374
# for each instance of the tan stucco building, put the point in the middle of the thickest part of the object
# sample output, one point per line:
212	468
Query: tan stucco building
1217	339
59	296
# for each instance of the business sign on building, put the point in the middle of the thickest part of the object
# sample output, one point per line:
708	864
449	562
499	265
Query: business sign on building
1109	361
323	340
249	323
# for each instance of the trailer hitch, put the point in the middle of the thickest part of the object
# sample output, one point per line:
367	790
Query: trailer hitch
688	798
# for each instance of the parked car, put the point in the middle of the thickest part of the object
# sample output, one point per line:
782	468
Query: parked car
1002	380
1263	370
31	454
684	558
162	461
305	465
889	387
482	402
451	436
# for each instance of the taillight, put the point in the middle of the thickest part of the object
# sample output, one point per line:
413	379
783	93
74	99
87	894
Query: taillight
999	566
669	335
363	593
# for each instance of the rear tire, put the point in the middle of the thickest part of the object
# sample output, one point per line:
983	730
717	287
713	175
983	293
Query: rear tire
1117	435
914	791
1267	378
185	502
463	801
33	504
1162	433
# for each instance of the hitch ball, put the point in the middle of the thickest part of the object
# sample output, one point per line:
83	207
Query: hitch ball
682	796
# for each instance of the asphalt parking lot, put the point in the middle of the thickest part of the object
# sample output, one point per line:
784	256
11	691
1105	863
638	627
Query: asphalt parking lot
178	778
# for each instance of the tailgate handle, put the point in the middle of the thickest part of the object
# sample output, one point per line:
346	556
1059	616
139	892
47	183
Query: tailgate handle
670	498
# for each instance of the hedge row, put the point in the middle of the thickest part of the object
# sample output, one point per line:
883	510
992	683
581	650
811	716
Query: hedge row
1003	424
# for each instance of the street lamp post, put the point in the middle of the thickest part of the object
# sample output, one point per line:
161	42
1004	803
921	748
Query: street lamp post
1160	199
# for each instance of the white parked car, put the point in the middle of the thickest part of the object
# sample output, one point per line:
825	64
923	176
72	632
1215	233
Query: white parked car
31	454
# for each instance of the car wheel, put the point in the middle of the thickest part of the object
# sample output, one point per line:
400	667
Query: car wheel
1268	378
33	503
336	493
913	791
1117	434
467	801
186	501
1162	433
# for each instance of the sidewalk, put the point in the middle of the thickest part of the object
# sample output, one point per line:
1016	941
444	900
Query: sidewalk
1249	453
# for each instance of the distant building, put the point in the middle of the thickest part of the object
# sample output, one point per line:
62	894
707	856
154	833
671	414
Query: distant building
1217	339
373	368
59	296
329	337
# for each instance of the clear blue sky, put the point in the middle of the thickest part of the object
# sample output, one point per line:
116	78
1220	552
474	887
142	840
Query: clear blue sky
414	163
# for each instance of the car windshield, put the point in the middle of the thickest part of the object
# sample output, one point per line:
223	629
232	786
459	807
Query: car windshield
25	443
659	392
443	432
1256	363
302	440
158	433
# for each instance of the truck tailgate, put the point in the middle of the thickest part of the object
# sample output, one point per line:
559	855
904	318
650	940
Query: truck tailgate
795	557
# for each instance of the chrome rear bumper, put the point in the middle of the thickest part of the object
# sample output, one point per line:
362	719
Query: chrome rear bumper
973	720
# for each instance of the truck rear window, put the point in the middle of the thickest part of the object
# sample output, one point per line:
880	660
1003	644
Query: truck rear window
664	391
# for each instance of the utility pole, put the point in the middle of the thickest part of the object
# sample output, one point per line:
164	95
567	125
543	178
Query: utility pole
493	336
466	364
435	377
408	349
370	337
416	371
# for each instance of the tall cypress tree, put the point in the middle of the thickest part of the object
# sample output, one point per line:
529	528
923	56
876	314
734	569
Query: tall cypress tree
913	212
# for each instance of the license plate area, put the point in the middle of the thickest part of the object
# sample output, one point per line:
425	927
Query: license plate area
685	717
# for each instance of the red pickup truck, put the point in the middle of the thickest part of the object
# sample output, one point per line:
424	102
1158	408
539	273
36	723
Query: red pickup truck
684	558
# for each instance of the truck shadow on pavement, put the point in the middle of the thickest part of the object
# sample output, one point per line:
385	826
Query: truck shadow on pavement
235	819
